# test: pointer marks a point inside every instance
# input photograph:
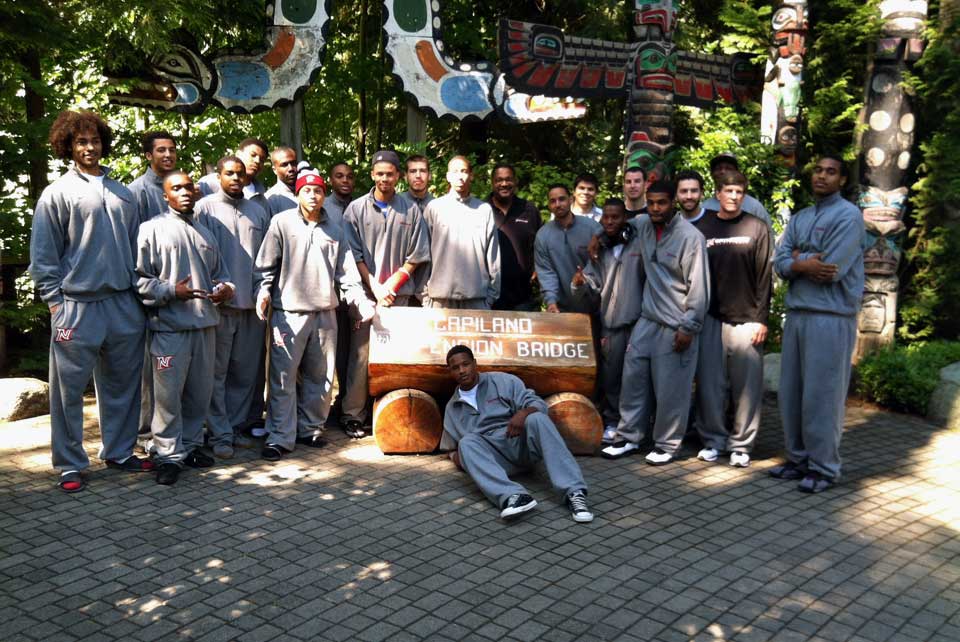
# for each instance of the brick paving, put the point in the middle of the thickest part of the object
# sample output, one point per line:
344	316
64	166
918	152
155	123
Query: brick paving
348	544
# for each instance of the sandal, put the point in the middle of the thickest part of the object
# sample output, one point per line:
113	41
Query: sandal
132	464
71	481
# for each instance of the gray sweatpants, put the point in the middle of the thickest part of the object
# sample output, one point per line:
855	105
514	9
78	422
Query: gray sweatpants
182	384
656	379
456	304
814	376
302	365
613	345
489	458
355	390
239	354
103	338
729	370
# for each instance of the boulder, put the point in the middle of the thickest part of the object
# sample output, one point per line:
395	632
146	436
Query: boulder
944	406
21	398
771	372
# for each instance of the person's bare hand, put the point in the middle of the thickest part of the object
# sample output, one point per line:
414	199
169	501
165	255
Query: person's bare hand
519	418
263	303
815	269
54	308
578	280
593	248
184	292
222	292
759	334
552	308
681	341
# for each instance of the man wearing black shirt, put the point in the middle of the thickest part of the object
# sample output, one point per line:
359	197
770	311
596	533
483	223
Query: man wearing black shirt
517	223
730	362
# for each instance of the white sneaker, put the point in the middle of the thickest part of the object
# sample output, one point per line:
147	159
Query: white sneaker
577	501
609	434
658	457
619	449
708	454
739	460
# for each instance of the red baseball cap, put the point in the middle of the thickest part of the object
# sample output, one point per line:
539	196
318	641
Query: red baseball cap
310	177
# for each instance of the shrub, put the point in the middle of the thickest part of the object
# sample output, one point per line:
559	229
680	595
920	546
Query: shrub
903	378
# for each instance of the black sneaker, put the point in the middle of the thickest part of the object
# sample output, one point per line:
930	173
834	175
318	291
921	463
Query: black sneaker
577	502
316	441
197	459
167	474
517	505
354	429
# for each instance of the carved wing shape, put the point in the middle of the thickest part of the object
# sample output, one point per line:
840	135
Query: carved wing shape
542	59
702	80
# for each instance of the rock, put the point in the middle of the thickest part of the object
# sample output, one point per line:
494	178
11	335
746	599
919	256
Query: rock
21	398
944	406
771	372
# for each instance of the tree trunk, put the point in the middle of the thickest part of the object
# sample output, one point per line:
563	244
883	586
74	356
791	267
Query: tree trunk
35	111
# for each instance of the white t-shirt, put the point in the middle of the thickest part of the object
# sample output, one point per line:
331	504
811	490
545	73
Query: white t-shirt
470	396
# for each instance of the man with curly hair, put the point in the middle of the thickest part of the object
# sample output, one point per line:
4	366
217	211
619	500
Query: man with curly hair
82	262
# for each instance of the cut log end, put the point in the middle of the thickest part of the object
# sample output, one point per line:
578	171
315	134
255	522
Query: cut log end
577	421
407	422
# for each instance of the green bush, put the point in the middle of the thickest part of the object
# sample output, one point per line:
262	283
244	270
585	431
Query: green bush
903	378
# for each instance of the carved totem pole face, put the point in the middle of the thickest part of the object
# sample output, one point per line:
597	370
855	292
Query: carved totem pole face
781	100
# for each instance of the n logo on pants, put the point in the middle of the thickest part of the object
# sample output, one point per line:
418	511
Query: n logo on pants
64	334
163	363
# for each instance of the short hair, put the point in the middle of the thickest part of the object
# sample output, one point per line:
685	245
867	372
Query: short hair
586	177
633	169
459	349
844	169
613	201
69	123
690	175
663	187
417	158
732	178
338	164
176	172
246	142
149	138
464	159
554	186
283	148
229	159
512	169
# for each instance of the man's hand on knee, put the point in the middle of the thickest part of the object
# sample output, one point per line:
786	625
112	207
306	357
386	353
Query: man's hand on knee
515	425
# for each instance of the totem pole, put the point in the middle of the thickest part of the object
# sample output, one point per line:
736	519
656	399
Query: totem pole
650	72
885	148
780	117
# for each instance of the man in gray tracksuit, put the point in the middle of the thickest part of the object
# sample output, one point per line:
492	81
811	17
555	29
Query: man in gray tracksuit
661	356
560	250
238	225
464	250
304	258
820	256
280	197
495	426
389	241
81	260
418	182
182	279
617	277
253	153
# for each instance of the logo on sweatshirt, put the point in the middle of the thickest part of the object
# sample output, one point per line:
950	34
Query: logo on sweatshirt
64	334
165	363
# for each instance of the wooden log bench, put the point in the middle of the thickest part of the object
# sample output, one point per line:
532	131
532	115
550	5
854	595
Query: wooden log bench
552	353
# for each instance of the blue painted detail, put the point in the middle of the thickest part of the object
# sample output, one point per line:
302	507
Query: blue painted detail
464	94
187	94
243	80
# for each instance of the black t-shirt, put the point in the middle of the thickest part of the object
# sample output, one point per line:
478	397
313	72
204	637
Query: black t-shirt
738	251
635	213
516	232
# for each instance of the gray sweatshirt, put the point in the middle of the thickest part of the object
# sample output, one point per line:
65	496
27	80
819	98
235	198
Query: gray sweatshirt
833	227
83	239
558	253
384	241
148	194
280	198
171	247
301	263
255	191
677	291
422	275
619	282
335	207
238	226
464	250
499	397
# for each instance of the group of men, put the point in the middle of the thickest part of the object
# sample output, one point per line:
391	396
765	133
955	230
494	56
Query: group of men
201	295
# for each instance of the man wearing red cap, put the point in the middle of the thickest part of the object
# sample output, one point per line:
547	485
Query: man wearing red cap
389	241
304	258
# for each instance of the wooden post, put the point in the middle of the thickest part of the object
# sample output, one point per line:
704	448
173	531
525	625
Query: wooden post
291	126
416	125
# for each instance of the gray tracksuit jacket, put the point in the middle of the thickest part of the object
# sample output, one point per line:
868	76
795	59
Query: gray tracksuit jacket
833	227
499	396
83	238
384	241
148	194
301	263
280	198
464	250
255	191
557	254
619	281
171	247
238	226
677	291
334	207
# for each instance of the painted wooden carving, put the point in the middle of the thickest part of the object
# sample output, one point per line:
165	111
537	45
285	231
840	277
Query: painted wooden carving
186	81
780	117
650	72
454	89
885	148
